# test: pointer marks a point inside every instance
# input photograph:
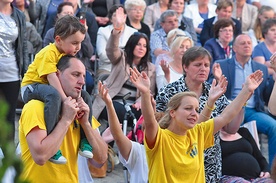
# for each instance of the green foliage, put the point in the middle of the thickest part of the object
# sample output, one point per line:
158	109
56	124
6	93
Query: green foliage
7	146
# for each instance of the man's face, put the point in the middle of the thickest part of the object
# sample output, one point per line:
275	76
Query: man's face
72	79
170	23
224	12
243	46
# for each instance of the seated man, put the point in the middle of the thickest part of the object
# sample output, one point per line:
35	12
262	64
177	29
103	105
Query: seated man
236	70
224	10
158	43
37	147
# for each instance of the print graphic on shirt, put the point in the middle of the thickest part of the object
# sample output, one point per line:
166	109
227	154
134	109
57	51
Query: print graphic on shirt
192	151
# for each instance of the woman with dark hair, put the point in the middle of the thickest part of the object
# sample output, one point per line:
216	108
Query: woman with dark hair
220	46
135	55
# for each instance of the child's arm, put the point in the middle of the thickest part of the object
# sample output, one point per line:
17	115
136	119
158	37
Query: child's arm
123	143
54	81
251	83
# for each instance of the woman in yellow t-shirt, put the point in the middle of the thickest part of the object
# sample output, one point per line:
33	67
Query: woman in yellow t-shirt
175	154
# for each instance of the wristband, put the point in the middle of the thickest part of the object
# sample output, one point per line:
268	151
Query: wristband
118	29
210	108
204	116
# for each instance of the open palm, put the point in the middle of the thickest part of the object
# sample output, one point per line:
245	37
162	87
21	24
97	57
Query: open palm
140	80
254	80
120	18
218	89
103	92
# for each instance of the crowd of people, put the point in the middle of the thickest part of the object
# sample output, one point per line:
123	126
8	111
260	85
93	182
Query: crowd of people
193	70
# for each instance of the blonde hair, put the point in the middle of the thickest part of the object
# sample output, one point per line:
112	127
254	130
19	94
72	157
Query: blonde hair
258	25
173	104
175	38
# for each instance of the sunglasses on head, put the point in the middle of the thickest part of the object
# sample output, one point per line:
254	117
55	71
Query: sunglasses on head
140	33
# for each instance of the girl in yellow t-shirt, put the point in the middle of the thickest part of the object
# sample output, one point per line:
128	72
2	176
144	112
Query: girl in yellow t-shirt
175	154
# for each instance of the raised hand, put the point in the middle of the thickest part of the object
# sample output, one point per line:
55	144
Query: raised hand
120	18
254	80
103	92
216	70
140	80
218	89
273	62
165	66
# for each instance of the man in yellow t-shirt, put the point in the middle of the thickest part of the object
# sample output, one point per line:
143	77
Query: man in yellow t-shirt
37	147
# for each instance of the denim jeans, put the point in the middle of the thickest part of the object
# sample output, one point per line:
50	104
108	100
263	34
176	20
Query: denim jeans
266	125
51	98
52	108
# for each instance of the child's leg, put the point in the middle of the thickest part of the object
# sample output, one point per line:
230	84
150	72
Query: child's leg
52	106
85	147
88	100
52	102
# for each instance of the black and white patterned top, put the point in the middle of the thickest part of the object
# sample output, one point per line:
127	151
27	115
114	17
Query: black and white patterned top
212	159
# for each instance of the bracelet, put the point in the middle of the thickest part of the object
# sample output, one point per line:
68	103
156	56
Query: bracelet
210	108
118	29
204	116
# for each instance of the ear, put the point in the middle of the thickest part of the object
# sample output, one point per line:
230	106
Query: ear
184	68
172	113
57	39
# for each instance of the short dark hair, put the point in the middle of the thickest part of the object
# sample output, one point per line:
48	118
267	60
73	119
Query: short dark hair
267	25
222	23
224	4
64	62
166	14
61	5
194	53
67	26
113	9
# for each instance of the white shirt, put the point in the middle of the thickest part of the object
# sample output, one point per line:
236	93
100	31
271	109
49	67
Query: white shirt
137	163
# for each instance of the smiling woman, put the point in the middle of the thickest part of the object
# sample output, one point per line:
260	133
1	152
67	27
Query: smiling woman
135	54
196	64
175	154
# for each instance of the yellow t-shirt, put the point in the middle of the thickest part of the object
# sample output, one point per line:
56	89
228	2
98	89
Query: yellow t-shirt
176	158
49	172
44	63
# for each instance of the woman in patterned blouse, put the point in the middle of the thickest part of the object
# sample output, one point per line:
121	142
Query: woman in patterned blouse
196	66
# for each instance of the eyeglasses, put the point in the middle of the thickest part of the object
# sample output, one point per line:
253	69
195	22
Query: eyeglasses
226	30
137	10
139	34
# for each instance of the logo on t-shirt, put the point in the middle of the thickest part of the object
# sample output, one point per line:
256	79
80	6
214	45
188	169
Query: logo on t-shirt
192	151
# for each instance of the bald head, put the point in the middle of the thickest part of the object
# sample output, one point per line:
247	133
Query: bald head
242	46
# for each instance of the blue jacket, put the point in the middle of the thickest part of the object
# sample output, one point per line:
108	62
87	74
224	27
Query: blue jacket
216	51
262	93
208	29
